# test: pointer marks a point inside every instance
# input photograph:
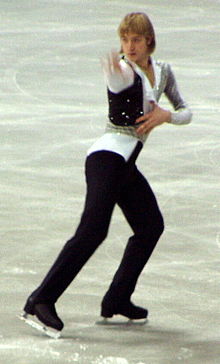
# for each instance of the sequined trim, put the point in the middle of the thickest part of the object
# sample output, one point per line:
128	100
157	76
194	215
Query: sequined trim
127	130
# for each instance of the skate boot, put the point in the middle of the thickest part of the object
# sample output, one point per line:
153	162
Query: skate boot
49	322
136	315
127	309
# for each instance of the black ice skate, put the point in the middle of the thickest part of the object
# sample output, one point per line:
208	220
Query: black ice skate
48	321
135	314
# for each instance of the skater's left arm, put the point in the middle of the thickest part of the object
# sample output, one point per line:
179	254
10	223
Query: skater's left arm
157	116
182	114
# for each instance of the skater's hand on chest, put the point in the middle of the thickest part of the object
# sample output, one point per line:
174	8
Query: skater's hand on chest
155	117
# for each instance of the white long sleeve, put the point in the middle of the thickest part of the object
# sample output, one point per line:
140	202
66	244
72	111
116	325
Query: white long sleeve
181	114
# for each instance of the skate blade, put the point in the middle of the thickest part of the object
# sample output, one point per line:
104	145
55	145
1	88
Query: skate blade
124	322
49	331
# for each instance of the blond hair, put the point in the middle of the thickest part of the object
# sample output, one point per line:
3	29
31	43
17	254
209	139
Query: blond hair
138	23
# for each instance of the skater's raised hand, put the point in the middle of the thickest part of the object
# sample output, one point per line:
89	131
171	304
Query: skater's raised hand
119	75
111	63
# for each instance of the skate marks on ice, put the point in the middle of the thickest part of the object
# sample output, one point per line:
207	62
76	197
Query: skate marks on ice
83	341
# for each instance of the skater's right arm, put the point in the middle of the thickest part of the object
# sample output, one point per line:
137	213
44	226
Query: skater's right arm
119	74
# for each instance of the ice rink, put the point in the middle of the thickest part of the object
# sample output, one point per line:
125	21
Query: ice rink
53	106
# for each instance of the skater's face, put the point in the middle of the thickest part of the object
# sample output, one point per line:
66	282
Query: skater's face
135	47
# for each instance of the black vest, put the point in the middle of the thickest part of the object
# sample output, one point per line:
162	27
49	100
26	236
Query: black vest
126	106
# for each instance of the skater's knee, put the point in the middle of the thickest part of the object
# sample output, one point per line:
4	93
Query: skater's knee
159	225
97	235
95	232
90	237
155	226
151	230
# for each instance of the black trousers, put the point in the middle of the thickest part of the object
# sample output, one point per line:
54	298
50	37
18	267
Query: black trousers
110	180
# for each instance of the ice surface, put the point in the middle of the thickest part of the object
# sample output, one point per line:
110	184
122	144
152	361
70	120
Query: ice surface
53	106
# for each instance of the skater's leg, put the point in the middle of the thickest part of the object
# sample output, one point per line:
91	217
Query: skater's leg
103	174
140	208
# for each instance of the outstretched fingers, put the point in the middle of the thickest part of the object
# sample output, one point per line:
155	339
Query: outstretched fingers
111	62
